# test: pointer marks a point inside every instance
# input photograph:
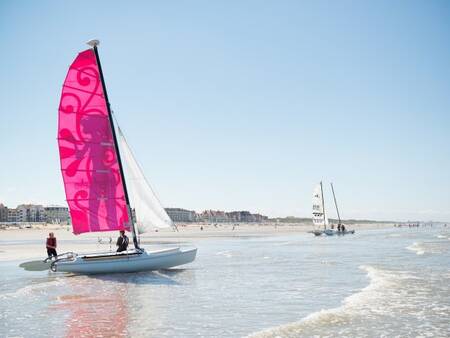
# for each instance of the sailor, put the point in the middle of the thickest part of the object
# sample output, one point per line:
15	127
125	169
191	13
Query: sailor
343	228
122	242
51	245
339	227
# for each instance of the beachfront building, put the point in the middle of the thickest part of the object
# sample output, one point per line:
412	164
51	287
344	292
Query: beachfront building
234	216
57	214
246	217
12	216
30	213
181	215
260	218
217	216
214	216
3	213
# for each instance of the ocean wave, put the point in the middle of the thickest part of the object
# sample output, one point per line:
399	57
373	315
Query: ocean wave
383	296
417	247
429	247
29	289
224	253
326	317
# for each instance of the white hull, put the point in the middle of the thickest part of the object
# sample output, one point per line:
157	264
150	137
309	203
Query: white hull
130	261
330	232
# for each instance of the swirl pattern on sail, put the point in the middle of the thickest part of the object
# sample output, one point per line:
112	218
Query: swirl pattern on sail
90	169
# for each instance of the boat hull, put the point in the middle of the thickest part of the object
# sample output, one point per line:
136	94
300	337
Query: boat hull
346	232
126	262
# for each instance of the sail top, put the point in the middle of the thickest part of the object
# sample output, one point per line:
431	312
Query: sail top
94	189
93	42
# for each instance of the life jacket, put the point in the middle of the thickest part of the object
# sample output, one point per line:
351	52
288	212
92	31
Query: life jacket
51	241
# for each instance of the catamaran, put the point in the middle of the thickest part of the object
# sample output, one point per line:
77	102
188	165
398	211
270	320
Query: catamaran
100	184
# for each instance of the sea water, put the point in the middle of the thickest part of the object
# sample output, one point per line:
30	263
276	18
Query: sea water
376	283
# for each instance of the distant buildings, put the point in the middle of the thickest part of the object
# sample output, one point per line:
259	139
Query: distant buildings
12	216
214	216
57	214
30	213
3	213
181	215
34	213
246	217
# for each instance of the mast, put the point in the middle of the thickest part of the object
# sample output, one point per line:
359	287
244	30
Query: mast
94	44
323	208
335	203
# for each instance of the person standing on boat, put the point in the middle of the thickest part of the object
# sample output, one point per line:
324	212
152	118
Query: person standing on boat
51	245
122	242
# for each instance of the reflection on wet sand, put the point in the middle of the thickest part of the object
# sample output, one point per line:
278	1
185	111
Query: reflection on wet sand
95	314
117	305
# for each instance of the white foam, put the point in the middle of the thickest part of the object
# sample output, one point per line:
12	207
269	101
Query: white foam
27	290
224	253
417	248
354	305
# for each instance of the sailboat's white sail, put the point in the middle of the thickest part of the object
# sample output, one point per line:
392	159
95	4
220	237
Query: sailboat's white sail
148	210
318	212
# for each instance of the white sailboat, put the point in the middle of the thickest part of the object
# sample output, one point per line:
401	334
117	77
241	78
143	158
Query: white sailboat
319	217
101	189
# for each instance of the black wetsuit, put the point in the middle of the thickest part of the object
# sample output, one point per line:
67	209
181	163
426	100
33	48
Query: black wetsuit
122	243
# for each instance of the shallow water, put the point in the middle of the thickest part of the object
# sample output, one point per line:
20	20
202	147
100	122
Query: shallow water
393	282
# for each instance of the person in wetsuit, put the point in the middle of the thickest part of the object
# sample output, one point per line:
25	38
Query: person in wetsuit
51	245
122	242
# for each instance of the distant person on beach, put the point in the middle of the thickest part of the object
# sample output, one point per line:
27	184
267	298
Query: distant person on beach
51	245
122	242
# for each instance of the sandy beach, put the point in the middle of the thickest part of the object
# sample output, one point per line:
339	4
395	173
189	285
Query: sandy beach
29	243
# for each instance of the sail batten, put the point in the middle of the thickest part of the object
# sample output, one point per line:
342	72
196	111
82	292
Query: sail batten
94	188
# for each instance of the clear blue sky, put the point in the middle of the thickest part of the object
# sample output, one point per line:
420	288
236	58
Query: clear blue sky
243	104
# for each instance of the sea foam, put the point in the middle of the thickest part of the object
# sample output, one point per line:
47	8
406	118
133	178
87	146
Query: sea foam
417	247
360	306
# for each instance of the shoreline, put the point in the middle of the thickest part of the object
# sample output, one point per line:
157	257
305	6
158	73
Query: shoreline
15	243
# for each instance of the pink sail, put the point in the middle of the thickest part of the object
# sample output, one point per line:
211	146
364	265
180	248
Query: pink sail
89	165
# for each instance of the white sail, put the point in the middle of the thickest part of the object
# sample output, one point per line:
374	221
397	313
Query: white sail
318	217
148	209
